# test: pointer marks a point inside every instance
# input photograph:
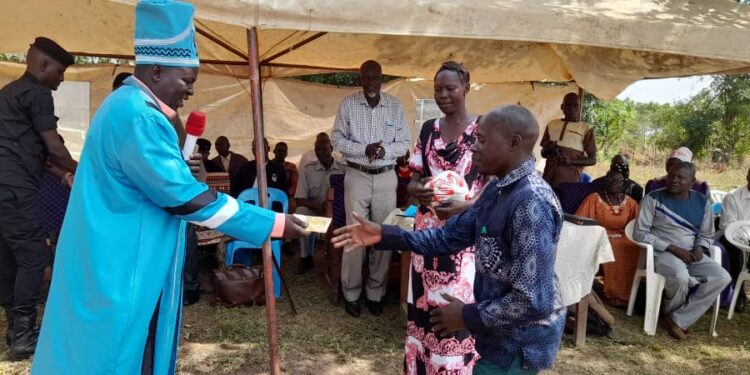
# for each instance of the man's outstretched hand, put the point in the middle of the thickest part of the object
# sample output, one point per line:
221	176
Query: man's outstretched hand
363	233
294	227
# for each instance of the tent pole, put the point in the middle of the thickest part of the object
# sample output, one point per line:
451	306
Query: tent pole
260	159
580	101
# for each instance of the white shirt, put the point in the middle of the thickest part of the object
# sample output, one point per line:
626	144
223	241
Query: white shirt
735	207
225	161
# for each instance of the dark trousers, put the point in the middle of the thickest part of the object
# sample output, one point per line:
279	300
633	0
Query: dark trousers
192	269
147	366
735	258
23	252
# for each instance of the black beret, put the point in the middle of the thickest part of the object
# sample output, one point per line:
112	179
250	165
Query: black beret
53	50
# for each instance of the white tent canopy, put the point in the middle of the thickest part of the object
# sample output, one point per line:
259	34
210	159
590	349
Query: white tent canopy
603	45
295	111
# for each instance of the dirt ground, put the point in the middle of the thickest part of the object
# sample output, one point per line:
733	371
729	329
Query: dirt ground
322	339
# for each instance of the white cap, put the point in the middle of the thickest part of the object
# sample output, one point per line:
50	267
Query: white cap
682	153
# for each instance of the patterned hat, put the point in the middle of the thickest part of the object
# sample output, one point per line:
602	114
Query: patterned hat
164	34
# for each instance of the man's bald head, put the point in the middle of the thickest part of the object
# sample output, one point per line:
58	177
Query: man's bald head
505	138
371	79
510	120
370	64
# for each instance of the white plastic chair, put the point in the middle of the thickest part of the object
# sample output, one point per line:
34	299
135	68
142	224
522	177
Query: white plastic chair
729	233
655	285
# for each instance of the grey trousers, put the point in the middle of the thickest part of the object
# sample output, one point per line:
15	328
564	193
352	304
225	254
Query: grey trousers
681	277
372	197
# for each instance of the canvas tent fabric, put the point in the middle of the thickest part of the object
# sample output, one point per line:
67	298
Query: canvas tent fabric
602	45
294	111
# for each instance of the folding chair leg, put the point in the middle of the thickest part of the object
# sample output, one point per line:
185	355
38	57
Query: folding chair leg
715	317
634	293
736	294
653	304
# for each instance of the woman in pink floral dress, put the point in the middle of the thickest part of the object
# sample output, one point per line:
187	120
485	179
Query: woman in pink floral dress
444	144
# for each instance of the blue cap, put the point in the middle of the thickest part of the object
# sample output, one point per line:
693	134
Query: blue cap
164	34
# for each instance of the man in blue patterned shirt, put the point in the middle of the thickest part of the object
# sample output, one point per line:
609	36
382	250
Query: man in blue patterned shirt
518	316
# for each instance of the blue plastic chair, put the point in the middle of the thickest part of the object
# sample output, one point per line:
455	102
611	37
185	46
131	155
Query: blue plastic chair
234	256
716	208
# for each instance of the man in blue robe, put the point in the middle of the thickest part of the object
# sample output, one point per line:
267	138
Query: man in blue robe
116	297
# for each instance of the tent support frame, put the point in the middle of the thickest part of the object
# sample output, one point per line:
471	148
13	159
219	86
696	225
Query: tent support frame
256	98
292	48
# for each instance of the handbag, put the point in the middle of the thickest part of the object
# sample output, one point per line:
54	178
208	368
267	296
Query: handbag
239	285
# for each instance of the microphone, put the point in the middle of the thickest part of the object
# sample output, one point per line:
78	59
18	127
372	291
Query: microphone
194	127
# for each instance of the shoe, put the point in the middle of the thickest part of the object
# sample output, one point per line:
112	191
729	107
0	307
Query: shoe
305	264
25	335
375	308
191	297
672	327
353	308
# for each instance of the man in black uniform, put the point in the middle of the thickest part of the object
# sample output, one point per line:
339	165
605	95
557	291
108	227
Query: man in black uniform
28	139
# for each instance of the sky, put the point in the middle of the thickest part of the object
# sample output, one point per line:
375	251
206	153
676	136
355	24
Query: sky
667	90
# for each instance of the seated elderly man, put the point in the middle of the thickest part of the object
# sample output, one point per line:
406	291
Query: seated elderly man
736	207
682	154
678	223
312	191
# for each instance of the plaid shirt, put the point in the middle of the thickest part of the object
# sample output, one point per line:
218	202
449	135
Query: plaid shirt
357	125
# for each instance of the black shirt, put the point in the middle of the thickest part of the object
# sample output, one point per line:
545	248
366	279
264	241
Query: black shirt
245	178
26	110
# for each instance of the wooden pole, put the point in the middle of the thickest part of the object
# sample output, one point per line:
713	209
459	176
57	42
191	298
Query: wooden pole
256	96
580	102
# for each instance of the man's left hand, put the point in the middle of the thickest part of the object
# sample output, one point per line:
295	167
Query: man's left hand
449	318
697	253
379	152
195	164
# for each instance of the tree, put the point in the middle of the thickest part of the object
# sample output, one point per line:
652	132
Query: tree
731	124
611	120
